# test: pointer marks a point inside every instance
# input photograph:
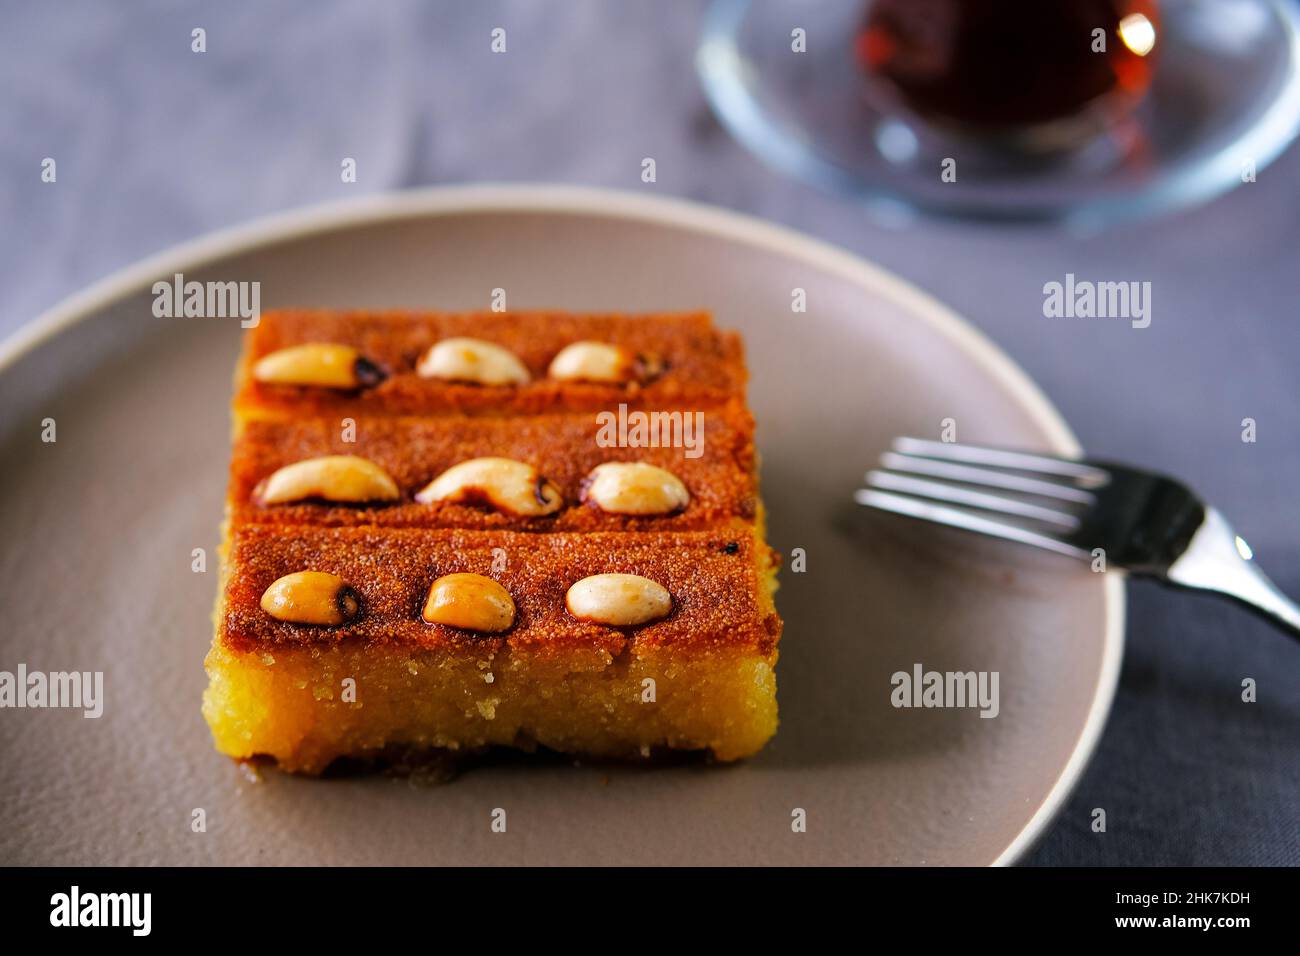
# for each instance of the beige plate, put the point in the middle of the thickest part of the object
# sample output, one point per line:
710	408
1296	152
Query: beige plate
99	528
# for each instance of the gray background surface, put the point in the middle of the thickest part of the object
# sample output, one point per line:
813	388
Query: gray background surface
156	144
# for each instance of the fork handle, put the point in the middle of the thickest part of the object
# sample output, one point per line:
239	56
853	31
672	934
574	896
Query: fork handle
1219	560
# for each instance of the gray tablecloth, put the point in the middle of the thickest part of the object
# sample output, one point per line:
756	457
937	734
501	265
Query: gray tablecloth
155	144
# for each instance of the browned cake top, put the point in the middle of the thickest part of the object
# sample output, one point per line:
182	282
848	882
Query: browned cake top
713	578
564	448
704	366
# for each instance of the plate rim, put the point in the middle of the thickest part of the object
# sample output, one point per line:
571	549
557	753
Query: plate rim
435	201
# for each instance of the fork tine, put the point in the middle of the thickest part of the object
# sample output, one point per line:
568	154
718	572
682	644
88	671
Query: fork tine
953	494
960	518
988	477
1001	458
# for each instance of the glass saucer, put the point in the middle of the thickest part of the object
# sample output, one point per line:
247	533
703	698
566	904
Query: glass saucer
1224	102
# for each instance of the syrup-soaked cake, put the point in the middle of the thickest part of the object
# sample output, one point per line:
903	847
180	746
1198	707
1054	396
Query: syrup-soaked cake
448	532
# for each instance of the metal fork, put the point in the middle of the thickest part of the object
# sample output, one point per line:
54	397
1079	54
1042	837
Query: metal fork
1145	523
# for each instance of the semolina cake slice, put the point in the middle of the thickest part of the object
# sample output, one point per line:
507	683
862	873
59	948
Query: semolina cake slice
452	531
673	361
414	452
700	678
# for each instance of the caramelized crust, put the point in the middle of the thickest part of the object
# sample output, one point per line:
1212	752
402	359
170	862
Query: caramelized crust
716	578
704	366
563	448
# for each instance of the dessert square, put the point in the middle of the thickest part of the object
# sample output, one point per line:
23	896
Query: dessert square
705	366
564	448
437	540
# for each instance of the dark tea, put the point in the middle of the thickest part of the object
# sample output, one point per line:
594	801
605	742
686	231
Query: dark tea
1006	65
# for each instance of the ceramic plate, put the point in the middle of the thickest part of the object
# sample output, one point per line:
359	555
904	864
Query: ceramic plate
100	528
